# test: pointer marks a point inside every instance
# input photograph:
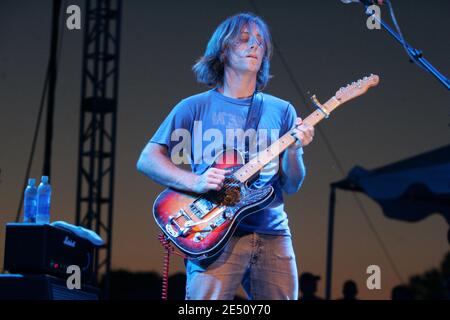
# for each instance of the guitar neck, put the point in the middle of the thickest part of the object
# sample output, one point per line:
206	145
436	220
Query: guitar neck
275	149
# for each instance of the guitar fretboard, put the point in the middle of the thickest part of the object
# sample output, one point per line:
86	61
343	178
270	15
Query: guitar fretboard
264	157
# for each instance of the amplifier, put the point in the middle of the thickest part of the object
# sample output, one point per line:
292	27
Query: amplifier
42	287
44	249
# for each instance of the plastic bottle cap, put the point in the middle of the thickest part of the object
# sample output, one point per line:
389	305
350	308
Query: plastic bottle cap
31	182
44	179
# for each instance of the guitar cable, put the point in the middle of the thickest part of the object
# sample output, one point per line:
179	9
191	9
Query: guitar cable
169	250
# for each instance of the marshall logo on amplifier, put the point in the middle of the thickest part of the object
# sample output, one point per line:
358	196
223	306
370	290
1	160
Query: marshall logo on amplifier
45	249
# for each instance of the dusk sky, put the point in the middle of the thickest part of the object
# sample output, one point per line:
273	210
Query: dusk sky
326	45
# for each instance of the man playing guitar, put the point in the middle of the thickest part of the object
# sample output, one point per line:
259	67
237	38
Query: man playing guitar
260	254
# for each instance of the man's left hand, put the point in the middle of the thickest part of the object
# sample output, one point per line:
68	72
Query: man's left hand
304	133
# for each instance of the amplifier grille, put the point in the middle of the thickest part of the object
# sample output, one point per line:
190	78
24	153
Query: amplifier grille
63	293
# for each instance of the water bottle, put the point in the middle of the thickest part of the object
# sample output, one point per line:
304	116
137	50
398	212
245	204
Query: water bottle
44	193
30	202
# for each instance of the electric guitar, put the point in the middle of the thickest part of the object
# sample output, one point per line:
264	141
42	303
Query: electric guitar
200	225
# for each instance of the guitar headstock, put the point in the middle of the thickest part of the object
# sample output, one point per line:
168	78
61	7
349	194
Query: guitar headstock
357	88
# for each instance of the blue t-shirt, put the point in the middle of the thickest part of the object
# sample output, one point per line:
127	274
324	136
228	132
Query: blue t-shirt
202	125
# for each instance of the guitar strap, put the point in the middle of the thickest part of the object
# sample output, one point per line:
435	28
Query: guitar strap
253	116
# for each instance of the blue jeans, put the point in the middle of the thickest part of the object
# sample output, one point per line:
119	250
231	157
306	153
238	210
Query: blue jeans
265	265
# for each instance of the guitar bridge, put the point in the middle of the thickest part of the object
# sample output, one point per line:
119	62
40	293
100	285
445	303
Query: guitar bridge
174	228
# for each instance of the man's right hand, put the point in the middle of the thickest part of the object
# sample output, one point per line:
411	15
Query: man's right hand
211	179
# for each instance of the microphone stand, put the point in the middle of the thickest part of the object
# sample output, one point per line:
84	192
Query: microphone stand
415	54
